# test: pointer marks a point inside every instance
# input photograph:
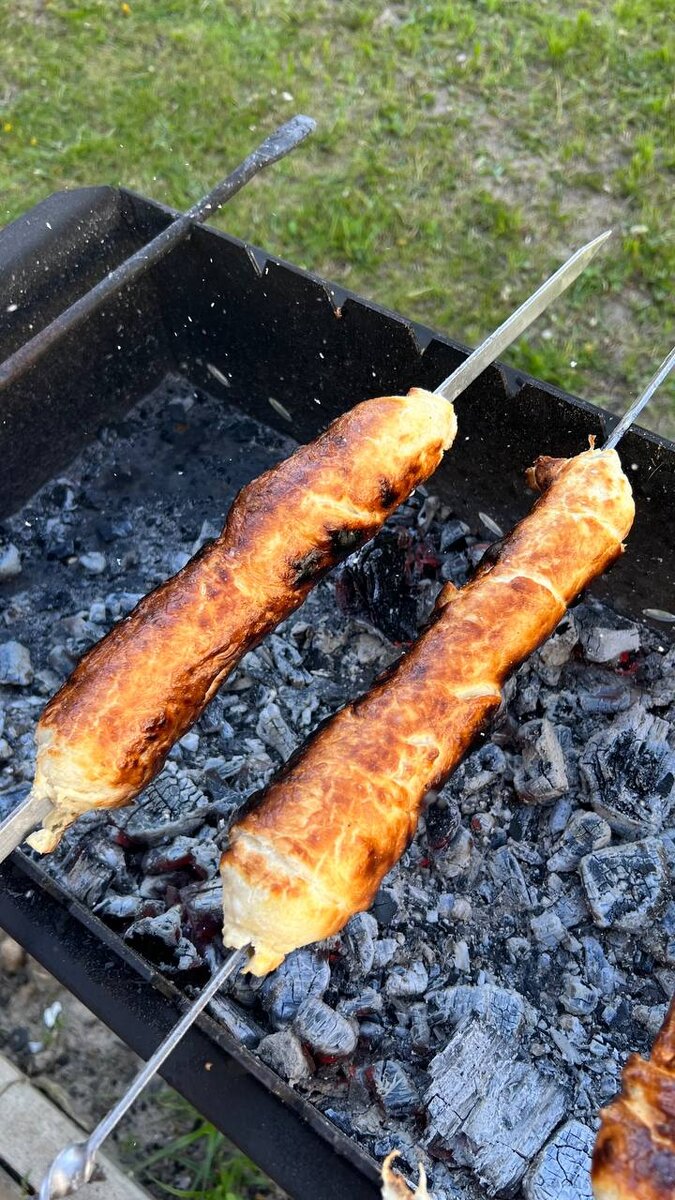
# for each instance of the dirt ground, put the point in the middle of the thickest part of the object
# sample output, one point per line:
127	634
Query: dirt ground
81	1065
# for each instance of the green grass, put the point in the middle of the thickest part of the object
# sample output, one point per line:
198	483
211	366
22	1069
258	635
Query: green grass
464	148
196	1162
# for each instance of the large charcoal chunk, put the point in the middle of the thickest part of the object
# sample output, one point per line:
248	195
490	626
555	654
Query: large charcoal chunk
327	1033
285	1054
169	806
500	1008
394	1088
629	770
301	975
584	832
626	885
490	1110
542	777
603	634
562	1171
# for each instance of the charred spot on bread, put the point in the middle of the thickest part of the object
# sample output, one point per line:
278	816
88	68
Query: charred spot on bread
309	568
345	541
388	493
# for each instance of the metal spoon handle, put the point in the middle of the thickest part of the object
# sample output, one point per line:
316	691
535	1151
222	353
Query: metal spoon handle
74	1165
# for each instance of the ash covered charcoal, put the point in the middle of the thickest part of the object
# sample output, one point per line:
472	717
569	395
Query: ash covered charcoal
562	1170
198	855
302	975
329	1035
542	777
387	582
626	886
286	1055
489	1109
240	1023
629	770
394	1088
162	940
273	731
16	668
500	1008
360	936
170	806
604	635
404	982
584	832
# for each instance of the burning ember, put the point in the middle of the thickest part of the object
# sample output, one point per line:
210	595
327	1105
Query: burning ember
478	1017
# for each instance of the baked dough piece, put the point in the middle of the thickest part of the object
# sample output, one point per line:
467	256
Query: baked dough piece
107	732
634	1157
315	846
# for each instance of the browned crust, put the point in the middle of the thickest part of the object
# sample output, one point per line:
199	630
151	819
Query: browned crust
108	730
315	848
634	1157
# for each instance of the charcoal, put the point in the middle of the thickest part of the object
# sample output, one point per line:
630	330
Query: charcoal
288	662
605	697
164	928
302	974
16	668
394	1088
456	860
241	1025
600	974
442	823
488	1108
542	777
585	832
120	604
498	1007
562	1170
126	908
203	908
88	880
367	1003
548	929
478	772
10	562
507	873
371	1034
361	934
285	1054
328	1034
383	952
576	997
626	885
557	650
420	1029
404	982
273	731
381	583
604	635
571	905
384	906
93	562
200	857
171	805
189	741
629	770
453	534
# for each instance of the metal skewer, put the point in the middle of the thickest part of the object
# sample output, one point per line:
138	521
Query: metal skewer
643	399
276	146
32	812
520	320
74	1165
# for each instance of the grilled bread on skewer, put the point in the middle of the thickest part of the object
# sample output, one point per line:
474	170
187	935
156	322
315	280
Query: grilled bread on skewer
107	732
316	846
634	1157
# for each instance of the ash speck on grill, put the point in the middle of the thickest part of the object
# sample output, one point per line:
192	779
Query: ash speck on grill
478	1017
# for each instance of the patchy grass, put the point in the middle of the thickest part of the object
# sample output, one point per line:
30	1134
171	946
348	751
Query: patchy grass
196	1162
464	148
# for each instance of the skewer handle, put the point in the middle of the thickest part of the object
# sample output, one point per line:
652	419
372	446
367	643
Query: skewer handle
74	1165
31	812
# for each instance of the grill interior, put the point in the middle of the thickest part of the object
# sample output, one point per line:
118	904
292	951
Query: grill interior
485	931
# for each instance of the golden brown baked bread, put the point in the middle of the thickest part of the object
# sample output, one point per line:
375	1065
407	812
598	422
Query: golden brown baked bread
634	1156
108	730
314	849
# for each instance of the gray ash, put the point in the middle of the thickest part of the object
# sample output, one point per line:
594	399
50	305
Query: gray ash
478	1017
